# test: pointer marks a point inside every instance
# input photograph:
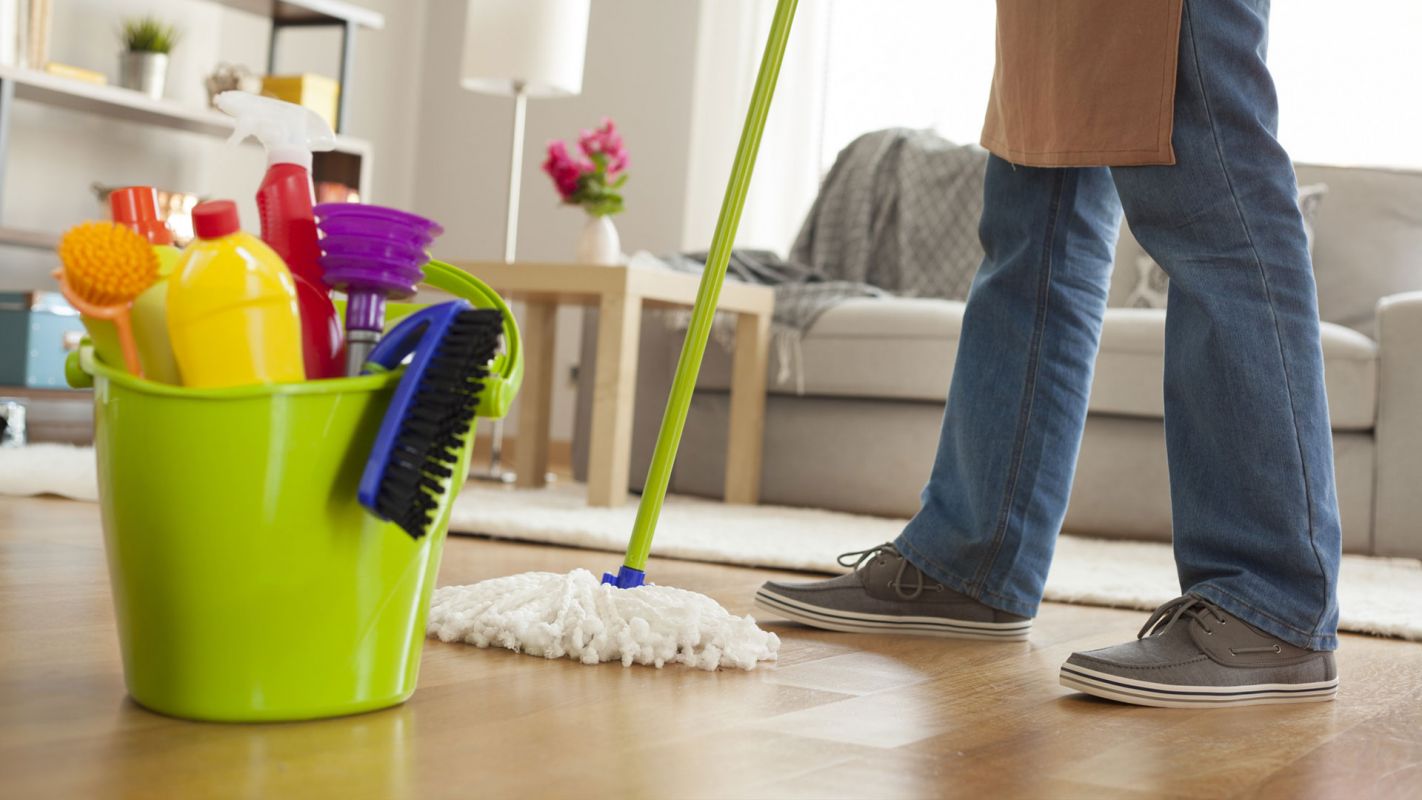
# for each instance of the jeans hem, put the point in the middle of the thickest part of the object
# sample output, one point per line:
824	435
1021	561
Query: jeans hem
1263	620
937	572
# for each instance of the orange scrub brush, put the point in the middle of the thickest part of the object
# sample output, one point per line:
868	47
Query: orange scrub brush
106	266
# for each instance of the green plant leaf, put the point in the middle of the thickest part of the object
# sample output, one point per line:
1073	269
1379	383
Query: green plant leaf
148	35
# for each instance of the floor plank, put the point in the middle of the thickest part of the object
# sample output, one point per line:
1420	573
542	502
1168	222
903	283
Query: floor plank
840	715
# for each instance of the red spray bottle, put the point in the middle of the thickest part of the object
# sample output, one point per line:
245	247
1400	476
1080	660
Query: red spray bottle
284	201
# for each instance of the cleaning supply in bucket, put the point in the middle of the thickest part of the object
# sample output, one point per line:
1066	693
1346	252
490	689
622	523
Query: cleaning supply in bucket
232	312
373	254
136	208
412	464
288	224
636	613
105	267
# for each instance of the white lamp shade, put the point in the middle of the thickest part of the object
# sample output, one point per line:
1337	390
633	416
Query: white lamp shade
536	44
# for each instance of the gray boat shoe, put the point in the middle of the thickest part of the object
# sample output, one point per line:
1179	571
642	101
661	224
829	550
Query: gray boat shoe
887	594
1194	654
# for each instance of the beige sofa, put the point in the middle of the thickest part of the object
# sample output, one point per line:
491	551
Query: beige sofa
862	436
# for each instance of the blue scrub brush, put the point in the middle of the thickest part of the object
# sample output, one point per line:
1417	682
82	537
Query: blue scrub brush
430	416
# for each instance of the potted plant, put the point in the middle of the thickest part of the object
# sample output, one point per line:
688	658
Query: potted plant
593	180
143	64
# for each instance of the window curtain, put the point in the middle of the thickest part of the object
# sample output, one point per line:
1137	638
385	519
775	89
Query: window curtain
731	38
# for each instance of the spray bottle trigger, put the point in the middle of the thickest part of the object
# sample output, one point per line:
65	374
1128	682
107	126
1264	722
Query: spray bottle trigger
240	132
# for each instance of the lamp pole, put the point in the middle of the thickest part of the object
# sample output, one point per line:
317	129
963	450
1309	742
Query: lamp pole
515	171
496	438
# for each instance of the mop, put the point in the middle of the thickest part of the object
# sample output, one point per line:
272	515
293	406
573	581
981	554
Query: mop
623	618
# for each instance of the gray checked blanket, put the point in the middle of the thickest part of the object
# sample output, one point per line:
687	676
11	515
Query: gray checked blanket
897	215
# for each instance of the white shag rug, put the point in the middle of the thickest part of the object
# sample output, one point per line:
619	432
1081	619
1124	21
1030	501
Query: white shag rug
1375	595
61	469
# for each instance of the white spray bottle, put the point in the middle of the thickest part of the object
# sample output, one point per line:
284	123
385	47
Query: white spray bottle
290	134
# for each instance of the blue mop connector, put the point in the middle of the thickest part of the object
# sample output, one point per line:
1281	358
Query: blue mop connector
626	578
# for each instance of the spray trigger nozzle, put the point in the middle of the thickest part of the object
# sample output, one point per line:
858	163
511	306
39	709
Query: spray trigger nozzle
289	132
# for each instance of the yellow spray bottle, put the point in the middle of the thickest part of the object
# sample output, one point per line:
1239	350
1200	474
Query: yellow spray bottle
232	312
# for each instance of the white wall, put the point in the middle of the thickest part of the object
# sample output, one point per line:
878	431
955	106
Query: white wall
639	72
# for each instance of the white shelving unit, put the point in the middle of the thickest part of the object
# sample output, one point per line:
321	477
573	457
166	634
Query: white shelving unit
114	102
118	103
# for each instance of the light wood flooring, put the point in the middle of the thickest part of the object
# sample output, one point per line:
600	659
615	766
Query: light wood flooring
839	716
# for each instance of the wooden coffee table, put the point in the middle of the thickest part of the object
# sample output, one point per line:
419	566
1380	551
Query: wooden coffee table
620	294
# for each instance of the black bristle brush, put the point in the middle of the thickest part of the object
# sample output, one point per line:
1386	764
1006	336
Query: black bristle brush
417	447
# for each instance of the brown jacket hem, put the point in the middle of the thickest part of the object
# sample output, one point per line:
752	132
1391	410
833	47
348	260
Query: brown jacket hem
1083	158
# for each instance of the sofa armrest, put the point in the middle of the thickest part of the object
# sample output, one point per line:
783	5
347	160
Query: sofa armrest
1397	512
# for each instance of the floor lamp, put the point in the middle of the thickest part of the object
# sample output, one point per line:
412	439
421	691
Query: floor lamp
522	49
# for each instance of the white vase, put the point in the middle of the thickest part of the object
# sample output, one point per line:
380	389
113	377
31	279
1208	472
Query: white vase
599	242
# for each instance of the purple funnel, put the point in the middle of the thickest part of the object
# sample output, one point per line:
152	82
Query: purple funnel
372	254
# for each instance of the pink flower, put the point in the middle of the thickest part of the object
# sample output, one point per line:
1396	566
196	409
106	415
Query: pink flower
564	169
605	141
592	178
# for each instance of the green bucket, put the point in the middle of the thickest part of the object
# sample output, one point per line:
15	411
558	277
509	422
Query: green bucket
248	583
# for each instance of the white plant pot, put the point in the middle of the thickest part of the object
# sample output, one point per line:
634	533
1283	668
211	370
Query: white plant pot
599	243
144	72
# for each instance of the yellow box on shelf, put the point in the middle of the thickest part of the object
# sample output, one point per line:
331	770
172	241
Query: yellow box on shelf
316	92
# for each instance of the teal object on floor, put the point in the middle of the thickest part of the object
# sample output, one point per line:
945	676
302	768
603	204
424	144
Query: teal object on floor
39	330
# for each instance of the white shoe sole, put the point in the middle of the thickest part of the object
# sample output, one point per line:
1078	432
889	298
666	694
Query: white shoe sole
858	622
1162	695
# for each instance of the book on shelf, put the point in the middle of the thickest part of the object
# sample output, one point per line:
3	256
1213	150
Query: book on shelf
76	73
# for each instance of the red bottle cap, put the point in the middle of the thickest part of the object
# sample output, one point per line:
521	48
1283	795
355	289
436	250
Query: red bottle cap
136	208
215	219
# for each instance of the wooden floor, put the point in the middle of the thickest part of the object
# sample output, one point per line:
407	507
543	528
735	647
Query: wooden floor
839	716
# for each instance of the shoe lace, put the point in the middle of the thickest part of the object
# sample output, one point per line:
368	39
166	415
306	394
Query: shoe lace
855	559
1198	610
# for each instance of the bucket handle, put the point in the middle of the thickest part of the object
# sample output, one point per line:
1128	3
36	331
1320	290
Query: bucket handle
506	375
74	373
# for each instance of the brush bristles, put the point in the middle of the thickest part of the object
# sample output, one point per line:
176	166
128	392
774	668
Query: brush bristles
106	264
437	421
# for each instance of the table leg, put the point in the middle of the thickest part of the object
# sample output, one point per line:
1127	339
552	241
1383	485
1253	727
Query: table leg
745	438
614	388
539	328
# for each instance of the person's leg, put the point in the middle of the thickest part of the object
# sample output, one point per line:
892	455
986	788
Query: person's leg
979	548
1251	453
994	503
1246	420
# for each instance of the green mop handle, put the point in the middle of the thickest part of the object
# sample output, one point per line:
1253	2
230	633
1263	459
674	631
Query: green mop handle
689	365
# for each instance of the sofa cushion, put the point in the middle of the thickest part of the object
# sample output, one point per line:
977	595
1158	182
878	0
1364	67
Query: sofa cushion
904	349
894	348
1367	242
1147	281
1131	363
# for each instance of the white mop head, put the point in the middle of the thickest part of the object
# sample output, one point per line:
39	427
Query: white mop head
575	615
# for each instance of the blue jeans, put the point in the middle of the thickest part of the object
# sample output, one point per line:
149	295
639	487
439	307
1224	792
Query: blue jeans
1254	510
